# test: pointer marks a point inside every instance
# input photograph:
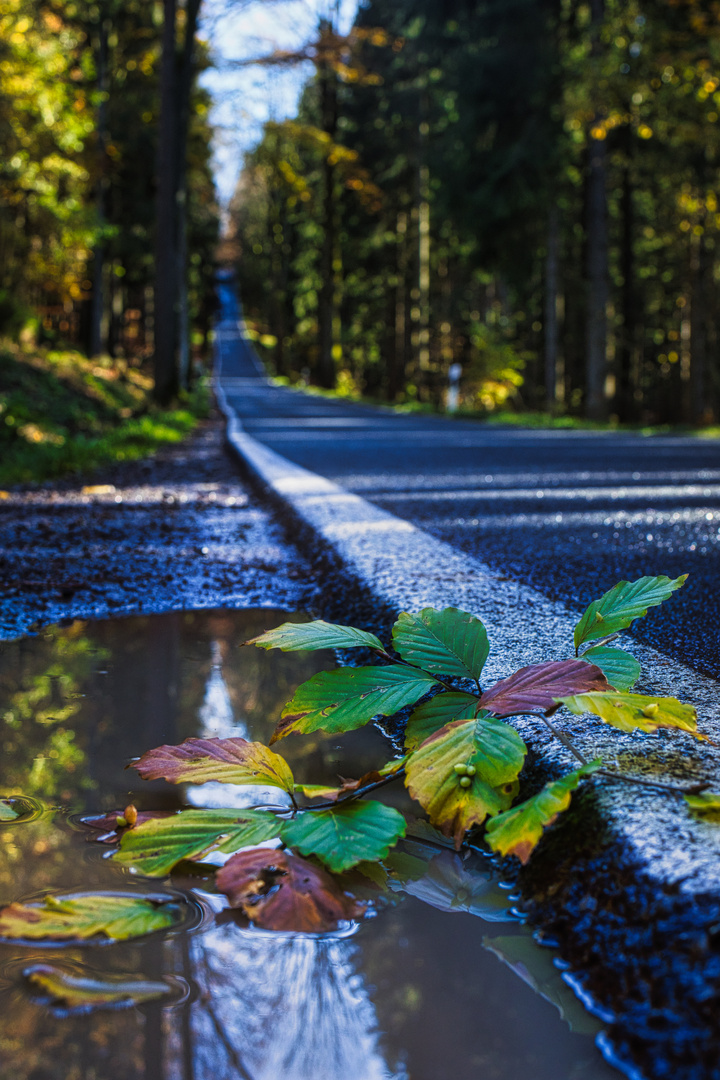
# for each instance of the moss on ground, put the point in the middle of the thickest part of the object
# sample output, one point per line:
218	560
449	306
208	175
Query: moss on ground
61	413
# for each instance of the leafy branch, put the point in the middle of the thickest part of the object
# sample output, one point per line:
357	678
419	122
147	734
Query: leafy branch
463	760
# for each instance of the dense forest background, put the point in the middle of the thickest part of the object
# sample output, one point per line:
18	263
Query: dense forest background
527	188
80	111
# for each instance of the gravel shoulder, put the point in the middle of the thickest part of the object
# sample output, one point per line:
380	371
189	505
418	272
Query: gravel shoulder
180	530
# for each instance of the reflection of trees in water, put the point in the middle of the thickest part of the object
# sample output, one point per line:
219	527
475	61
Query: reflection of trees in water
276	1007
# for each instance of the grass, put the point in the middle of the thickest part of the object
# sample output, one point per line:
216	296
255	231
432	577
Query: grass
61	413
505	417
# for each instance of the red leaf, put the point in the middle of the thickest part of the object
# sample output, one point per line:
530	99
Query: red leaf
535	688
278	891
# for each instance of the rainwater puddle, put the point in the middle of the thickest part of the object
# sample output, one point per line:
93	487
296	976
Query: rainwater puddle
442	983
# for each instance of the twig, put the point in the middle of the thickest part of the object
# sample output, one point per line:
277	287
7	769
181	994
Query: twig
331	804
694	789
567	743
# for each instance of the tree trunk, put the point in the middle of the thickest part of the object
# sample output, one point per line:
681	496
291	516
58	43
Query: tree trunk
627	350
97	303
185	81
166	243
552	350
326	299
700	404
596	231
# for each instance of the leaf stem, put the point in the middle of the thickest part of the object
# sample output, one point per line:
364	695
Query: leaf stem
357	794
694	789
561	737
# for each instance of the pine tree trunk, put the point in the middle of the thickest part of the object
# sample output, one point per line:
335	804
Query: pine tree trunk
596	231
700	404
166	242
326	300
552	337
627	349
97	303
185	82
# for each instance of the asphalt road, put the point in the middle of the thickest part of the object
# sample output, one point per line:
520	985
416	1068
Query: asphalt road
569	512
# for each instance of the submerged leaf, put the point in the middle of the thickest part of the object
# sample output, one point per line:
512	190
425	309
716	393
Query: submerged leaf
706	804
450	642
464	772
336	701
629	712
440	710
621	605
279	891
230	761
517	831
73	993
157	845
113	825
7	811
88	915
346	835
620	668
538	686
297	637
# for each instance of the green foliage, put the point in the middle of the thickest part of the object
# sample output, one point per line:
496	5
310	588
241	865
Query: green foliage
620	669
155	846
347	834
336	701
60	413
449	642
435	713
463	766
85	916
621	605
630	712
295	637
517	831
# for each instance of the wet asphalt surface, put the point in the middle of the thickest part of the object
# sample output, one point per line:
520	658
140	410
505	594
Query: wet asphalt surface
176	531
569	512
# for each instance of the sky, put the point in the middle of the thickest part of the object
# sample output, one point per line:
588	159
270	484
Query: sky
245	97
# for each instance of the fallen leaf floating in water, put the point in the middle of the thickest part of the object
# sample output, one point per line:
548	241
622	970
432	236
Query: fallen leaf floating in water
80	994
7	811
537	687
112	826
229	761
88	915
278	891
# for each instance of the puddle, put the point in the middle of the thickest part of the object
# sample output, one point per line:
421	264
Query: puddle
442	983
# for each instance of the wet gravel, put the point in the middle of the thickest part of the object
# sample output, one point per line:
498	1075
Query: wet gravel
179	530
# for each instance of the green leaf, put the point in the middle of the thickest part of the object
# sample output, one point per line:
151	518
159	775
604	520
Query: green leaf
88	915
440	710
517	831
157	845
336	701
493	753
346	835
629	712
449	642
83	994
706	804
619	668
230	761
297	637
625	602
7	812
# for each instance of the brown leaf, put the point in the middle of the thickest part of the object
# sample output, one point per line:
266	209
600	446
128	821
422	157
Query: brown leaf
230	761
278	891
111	826
535	688
332	794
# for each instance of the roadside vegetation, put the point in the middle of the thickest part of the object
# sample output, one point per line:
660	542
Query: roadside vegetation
62	413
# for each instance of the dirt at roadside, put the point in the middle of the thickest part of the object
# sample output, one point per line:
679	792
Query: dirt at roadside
179	530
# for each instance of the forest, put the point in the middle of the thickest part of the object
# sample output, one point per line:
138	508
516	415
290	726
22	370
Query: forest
525	188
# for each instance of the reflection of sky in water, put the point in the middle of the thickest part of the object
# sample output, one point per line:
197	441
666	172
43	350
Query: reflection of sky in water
277	1007
217	721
